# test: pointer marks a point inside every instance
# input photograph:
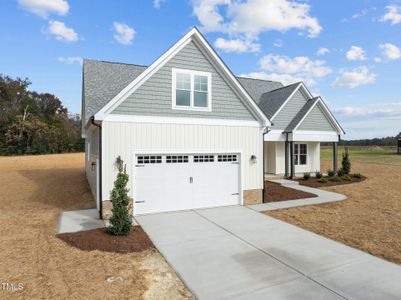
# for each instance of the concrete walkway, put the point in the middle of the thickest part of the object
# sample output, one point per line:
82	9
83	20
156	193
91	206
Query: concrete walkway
237	253
323	197
79	220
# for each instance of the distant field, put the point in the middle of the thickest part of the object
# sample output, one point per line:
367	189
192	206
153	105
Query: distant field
365	154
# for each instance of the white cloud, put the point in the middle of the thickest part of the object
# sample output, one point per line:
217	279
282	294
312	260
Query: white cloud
285	79
302	66
356	53
354	78
390	51
278	43
157	3
236	45
393	14
43	8
252	17
370	120
62	32
69	60
322	51
123	33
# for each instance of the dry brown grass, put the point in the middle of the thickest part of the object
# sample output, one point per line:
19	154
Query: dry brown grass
370	219
34	190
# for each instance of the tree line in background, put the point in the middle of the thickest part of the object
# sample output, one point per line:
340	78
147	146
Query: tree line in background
386	141
35	123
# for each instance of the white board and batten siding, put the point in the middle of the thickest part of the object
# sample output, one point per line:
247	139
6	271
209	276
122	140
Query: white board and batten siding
275	154
128	139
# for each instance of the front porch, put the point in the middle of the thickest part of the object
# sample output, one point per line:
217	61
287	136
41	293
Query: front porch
293	155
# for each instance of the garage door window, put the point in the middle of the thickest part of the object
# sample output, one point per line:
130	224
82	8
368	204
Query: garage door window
227	157
203	158
176	159
149	159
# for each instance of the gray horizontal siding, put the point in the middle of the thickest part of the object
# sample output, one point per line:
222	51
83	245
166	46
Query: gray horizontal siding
316	120
154	97
289	111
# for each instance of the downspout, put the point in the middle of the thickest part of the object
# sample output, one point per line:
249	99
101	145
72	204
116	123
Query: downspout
266	130
100	168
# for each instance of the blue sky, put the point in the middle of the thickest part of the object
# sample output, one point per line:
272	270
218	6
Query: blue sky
356	71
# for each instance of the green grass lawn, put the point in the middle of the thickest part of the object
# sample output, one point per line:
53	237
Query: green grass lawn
371	155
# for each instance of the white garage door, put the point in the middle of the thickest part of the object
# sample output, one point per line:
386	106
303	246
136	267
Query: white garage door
185	181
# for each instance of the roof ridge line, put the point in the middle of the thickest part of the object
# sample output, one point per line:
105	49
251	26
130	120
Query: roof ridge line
114	62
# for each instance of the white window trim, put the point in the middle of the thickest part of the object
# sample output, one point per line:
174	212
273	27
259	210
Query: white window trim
192	73
299	154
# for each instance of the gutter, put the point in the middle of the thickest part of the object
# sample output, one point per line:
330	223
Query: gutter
92	119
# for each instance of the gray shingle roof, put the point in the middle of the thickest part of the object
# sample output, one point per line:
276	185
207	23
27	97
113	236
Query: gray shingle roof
271	101
257	87
102	81
299	116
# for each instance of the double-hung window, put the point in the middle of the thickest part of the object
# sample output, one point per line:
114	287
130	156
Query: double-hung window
301	154
191	90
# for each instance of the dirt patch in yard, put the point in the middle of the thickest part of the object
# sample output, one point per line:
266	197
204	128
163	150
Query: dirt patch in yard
34	190
314	183
370	219
99	239
276	192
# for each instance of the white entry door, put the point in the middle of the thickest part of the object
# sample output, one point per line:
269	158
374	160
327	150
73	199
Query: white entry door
185	181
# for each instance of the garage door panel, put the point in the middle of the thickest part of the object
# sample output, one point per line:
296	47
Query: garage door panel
177	183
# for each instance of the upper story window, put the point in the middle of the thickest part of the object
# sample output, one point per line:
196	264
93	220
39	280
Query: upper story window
191	90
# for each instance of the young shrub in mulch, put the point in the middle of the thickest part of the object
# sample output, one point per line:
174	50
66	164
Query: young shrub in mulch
335	179
346	162
357	175
121	219
346	178
306	176
322	180
318	175
340	172
331	173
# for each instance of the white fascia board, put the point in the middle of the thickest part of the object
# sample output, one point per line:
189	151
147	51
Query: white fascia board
180	120
234	80
275	135
161	61
314	136
331	116
137	82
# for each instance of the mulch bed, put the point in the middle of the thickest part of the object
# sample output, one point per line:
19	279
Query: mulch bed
314	183
276	192
99	239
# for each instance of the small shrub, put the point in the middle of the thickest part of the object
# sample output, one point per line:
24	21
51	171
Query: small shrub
121	220
318	175
322	180
346	177
335	179
330	173
346	163
357	175
306	176
340	172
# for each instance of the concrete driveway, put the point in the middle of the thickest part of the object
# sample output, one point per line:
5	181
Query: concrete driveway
237	253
